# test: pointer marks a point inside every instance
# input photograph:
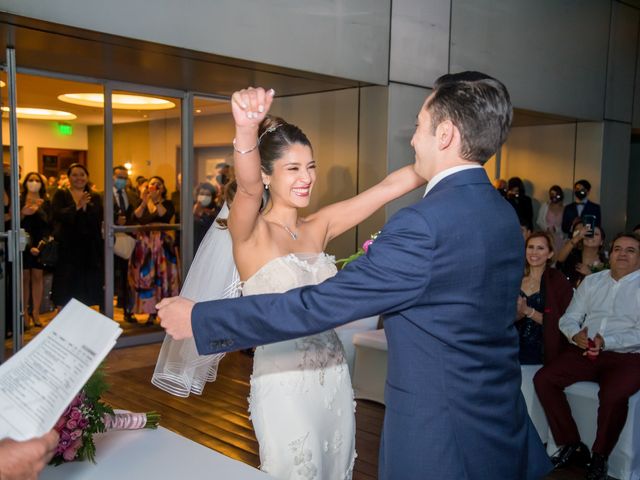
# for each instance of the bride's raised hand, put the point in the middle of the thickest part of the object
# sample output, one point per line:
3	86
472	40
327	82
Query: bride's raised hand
250	105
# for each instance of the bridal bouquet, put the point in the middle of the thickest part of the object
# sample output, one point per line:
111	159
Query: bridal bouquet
361	251
88	415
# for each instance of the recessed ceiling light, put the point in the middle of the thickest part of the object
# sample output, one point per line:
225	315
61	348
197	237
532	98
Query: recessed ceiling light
2	84
198	111
118	100
41	113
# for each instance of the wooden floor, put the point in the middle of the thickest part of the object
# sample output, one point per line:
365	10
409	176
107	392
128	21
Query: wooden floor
219	420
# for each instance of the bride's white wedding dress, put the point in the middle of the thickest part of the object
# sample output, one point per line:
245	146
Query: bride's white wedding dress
301	401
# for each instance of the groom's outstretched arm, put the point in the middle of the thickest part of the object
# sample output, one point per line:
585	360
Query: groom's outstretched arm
395	271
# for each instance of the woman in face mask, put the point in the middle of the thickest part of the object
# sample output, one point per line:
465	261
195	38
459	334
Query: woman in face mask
204	212
550	216
35	215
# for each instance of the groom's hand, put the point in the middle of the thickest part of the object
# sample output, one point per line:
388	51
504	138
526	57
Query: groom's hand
175	317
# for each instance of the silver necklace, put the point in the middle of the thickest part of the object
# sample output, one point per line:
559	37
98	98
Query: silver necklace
293	234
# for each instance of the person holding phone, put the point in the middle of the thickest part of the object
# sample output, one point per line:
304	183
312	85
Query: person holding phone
583	254
77	220
580	207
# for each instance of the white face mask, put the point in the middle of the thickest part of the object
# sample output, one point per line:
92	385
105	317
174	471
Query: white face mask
33	186
205	200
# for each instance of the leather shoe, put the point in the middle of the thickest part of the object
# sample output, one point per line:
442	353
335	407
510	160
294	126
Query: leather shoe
597	468
573	454
129	318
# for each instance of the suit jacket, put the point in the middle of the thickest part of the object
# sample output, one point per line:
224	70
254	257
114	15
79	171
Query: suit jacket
446	273
557	292
132	204
570	213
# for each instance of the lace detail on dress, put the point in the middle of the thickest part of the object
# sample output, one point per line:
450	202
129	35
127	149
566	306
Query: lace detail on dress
301	400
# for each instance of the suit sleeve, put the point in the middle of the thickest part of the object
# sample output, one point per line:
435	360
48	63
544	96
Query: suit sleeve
391	277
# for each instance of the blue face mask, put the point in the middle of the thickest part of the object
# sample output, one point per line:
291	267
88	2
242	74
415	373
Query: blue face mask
120	183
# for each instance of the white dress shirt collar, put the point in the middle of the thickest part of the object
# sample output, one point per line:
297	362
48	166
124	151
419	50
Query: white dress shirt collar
445	173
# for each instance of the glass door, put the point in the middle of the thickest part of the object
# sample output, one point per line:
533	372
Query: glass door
142	164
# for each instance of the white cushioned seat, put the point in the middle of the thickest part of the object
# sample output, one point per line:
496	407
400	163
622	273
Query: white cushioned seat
370	369
347	331
624	461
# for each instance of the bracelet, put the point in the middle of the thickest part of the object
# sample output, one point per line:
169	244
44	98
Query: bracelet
242	152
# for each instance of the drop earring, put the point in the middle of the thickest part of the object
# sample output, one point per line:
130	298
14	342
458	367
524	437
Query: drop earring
266	186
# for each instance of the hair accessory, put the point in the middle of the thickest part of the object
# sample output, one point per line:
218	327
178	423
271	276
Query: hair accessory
269	130
242	152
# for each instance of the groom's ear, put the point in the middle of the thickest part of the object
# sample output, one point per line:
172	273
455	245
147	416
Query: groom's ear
445	133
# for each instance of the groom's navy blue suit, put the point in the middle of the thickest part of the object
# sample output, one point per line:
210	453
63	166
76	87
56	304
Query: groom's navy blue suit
446	273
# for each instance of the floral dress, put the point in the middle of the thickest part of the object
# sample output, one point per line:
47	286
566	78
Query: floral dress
153	266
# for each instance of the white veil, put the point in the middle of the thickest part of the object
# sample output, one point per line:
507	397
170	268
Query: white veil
212	276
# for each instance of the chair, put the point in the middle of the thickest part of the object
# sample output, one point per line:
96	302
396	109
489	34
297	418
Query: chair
370	368
346	333
624	461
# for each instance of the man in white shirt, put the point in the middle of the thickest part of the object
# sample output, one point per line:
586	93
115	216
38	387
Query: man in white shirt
603	324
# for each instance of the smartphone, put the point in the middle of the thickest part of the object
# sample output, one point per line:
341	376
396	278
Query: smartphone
589	222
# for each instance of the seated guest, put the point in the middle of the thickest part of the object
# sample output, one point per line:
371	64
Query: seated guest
582	206
603	323
25	460
544	296
583	254
518	198
636	229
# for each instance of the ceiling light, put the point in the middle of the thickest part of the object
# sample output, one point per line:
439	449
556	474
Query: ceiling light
118	100
2	84
41	113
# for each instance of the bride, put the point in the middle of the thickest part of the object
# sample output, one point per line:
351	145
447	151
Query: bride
301	399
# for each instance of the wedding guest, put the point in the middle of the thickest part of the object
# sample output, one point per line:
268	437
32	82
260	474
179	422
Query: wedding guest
153	266
582	255
582	206
603	325
204	212
35	217
636	229
25	460
77	226
6	265
550	217
544	296
52	186
521	202
63	180
124	203
500	184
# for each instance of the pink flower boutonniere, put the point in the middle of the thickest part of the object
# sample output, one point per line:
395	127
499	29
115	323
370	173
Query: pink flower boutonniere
361	251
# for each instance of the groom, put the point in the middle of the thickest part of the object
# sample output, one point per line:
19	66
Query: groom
446	273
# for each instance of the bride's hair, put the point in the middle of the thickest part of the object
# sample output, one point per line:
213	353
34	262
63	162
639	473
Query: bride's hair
274	137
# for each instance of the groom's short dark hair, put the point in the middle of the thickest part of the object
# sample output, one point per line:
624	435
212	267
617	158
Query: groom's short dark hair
479	106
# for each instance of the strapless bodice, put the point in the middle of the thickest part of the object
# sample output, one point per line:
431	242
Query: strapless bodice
290	271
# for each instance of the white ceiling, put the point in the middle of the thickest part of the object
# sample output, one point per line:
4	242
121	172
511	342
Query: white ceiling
42	92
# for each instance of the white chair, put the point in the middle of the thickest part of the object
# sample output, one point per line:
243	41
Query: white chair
347	331
536	412
370	369
624	461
